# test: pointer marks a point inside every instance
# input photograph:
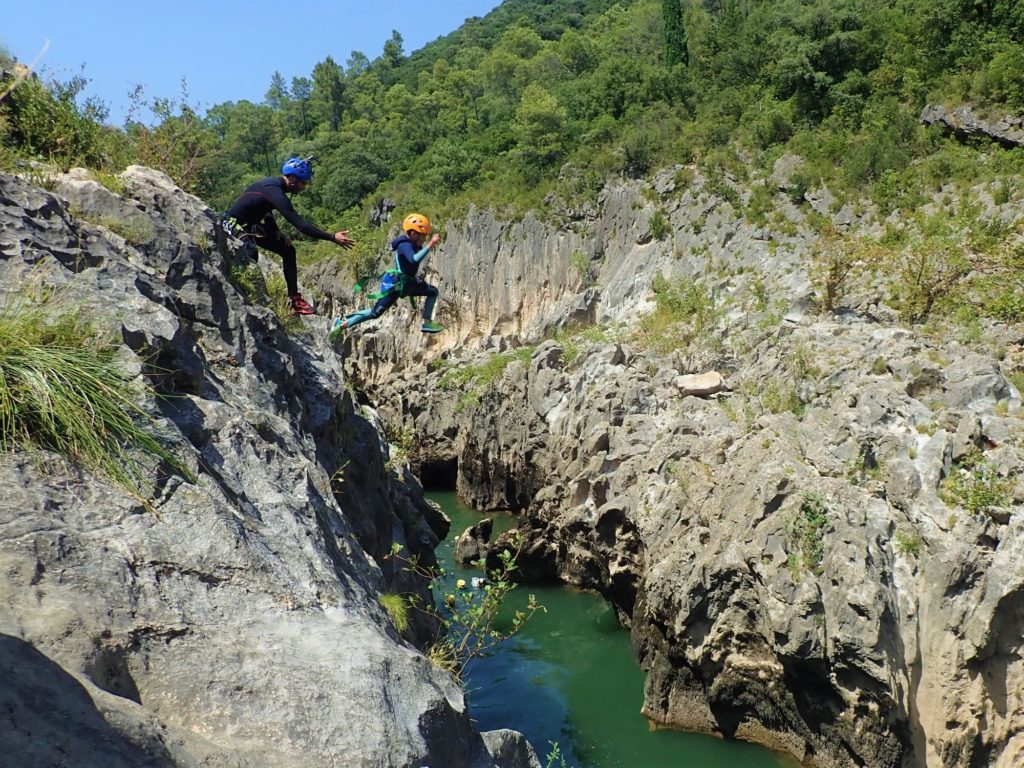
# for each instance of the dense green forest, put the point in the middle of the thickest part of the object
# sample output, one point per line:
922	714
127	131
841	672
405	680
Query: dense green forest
540	97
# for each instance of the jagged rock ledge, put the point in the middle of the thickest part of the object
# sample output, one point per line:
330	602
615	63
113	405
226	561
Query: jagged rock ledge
235	621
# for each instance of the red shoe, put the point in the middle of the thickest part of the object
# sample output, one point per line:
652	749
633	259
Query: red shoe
300	306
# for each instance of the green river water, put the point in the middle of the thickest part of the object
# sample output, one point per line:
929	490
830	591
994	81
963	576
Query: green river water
569	679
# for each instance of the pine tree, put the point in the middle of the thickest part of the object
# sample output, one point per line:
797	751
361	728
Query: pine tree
675	33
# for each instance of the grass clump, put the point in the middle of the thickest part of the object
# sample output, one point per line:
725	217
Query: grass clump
907	542
397	608
271	292
62	390
249	280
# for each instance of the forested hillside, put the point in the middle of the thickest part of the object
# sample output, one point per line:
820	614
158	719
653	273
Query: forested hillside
559	97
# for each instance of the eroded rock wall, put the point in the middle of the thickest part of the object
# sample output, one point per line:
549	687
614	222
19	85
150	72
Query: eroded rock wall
234	620
889	632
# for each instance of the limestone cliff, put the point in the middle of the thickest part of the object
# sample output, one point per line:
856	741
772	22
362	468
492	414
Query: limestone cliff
786	551
234	620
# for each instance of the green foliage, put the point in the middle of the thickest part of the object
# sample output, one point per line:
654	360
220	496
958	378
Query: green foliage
539	128
684	312
540	96
581	265
835	261
474	380
932	265
555	758
134	231
270	291
807	532
660	226
755	398
975	485
1017	379
46	122
178	144
249	279
575	341
907	542
675	32
397	608
61	389
280	303
471	621
402	445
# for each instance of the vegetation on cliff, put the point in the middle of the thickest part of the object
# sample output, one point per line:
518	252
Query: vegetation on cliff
542	96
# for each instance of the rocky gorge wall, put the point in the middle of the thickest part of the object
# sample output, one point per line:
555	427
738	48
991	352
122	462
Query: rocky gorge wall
231	621
783	548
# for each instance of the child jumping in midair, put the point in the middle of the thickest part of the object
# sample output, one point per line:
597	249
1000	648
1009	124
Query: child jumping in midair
402	281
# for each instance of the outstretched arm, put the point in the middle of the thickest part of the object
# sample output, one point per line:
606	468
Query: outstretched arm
284	205
291	215
421	254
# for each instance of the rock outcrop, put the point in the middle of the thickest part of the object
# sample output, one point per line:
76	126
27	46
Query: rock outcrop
782	540
964	123
233	620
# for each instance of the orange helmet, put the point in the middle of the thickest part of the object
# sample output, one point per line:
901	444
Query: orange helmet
418	222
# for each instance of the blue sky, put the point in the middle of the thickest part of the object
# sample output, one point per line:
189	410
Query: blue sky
225	50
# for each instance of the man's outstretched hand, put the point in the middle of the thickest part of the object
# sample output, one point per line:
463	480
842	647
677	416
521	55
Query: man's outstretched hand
434	241
342	239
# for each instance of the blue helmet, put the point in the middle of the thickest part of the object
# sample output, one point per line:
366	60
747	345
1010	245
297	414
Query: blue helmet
296	166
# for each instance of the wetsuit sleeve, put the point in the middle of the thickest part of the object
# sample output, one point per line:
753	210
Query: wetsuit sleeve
284	206
405	250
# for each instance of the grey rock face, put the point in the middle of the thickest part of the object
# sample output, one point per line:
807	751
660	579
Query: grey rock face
472	542
788	555
964	123
234	621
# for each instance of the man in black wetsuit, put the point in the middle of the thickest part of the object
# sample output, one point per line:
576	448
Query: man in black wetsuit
251	218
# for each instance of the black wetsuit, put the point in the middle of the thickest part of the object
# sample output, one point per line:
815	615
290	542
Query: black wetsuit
251	217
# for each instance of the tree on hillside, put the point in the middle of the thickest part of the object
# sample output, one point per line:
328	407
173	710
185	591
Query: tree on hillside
298	107
277	93
675	33
540	128
390	59
327	100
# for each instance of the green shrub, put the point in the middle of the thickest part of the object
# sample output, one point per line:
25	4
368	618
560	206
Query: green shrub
684	311
249	280
62	390
807	531
928	270
581	266
555	759
280	302
574	342
133	232
1017	379
470	621
660	226
975	485
45	121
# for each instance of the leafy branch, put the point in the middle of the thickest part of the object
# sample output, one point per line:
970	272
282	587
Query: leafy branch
470	621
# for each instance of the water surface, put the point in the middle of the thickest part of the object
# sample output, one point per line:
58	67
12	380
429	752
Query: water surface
569	678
